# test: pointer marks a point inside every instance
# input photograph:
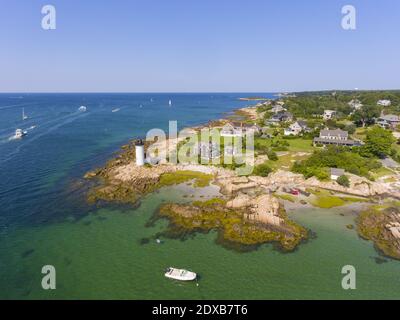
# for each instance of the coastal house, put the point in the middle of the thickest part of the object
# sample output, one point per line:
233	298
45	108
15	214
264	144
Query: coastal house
231	151
263	104
280	117
355	104
329	114
336	173
384	103
389	121
277	108
231	130
296	128
209	150
252	128
239	129
335	137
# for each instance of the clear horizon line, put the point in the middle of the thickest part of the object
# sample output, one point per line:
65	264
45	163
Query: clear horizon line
186	92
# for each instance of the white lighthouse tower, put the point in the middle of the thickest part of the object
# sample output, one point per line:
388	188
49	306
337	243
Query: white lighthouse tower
139	149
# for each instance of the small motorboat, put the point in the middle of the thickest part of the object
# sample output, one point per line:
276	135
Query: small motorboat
82	109
19	133
180	274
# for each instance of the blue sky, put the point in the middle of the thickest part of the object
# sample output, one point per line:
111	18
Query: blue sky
198	46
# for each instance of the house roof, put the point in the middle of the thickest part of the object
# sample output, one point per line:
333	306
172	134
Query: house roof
337	172
338	142
390	118
334	133
302	123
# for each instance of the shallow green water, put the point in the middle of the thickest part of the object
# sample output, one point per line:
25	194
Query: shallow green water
100	256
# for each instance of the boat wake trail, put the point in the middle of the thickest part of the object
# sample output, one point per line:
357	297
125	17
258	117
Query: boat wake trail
16	105
70	118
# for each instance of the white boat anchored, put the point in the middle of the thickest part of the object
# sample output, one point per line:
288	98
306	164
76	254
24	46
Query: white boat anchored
24	116
19	133
180	274
82	109
170	102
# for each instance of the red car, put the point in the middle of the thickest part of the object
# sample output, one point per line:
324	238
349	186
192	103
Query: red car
295	192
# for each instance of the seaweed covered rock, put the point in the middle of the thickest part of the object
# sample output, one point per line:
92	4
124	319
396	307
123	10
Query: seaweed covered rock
234	225
382	226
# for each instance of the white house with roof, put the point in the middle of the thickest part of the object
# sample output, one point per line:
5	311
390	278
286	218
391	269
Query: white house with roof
389	121
209	150
296	128
278	108
384	103
335	137
329	114
336	134
233	129
355	104
231	151
230	130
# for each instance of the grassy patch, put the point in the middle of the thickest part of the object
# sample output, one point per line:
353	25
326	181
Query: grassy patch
381	172
287	197
200	179
327	202
323	199
300	145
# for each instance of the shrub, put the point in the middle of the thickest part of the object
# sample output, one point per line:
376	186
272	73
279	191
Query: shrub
262	170
272	155
344	181
336	157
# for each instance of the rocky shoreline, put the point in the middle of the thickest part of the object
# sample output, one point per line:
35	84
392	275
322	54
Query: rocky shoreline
252	211
382	226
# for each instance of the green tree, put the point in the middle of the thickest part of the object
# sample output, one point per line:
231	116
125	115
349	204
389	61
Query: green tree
379	142
366	115
343	181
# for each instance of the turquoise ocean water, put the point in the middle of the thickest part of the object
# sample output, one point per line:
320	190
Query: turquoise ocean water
98	252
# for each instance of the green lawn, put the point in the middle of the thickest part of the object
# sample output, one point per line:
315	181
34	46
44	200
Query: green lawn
285	162
301	145
381	172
